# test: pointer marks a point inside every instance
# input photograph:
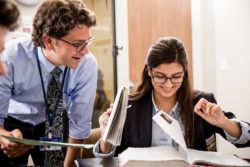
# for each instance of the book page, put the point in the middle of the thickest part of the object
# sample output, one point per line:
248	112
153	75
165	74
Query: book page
46	143
215	158
113	131
225	146
172	128
113	114
153	156
122	116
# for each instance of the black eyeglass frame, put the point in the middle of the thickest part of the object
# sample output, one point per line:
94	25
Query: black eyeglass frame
81	45
167	78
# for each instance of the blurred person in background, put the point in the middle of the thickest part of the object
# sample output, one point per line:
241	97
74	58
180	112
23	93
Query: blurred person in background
9	16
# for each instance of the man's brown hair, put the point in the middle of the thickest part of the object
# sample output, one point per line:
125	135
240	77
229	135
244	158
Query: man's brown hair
56	18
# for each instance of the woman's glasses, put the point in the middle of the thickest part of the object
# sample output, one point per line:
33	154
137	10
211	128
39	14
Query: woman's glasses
161	78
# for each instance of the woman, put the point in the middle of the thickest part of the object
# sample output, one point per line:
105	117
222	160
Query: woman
166	86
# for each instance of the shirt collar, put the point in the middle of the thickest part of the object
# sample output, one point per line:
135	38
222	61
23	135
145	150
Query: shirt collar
174	111
48	66
155	108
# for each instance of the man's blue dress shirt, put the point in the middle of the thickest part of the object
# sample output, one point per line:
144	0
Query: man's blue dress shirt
21	95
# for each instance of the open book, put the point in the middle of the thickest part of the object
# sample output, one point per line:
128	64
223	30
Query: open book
178	156
113	131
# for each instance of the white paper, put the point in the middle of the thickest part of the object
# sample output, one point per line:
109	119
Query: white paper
227	147
171	127
215	158
46	143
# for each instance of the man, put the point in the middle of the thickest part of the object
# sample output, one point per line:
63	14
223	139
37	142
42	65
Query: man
60	39
9	15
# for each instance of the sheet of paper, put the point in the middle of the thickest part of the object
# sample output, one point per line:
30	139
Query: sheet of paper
171	127
216	158
46	143
227	147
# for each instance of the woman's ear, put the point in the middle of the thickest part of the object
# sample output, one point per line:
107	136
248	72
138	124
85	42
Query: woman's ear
149	71
47	42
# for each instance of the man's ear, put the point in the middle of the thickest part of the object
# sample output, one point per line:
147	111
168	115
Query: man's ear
48	42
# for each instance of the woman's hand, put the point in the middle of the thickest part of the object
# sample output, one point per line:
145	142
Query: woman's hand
210	112
105	147
103	119
12	149
213	114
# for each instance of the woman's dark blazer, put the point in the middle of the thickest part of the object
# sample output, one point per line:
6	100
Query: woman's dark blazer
137	130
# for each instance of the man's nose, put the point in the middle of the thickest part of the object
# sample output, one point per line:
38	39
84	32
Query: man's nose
84	51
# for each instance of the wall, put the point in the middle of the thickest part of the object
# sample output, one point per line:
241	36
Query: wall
102	46
121	19
25	27
233	50
147	21
221	49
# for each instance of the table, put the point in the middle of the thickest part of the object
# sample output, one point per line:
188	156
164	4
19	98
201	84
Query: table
97	162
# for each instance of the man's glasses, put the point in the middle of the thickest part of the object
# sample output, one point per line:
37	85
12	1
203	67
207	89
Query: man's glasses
161	79
81	45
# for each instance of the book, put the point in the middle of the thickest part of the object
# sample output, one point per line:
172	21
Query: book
170	156
114	128
177	155
46	143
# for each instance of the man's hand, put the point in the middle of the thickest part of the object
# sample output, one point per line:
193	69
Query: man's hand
12	149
